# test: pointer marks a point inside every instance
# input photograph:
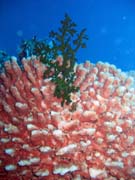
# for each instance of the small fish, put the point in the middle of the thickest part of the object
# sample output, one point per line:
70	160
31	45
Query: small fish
50	43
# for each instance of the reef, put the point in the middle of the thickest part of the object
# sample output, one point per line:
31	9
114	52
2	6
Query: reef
91	138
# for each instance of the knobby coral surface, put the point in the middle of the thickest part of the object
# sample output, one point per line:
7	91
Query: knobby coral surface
91	138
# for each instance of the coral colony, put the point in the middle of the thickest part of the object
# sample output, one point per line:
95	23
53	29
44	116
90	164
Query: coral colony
65	121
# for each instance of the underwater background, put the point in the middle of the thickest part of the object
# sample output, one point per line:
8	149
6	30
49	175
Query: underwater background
60	120
110	26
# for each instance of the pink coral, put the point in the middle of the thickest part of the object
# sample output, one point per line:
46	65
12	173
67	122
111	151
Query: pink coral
91	138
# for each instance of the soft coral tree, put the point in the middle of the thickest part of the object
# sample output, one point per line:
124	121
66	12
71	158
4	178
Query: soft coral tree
65	42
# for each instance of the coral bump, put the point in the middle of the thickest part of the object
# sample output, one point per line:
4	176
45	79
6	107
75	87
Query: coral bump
93	137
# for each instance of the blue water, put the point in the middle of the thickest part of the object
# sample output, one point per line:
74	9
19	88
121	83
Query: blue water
110	26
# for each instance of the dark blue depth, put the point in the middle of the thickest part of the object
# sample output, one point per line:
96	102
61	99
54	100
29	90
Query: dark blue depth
110	26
